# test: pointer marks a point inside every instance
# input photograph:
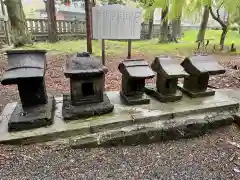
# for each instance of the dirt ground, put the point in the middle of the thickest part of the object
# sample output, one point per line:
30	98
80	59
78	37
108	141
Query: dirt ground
57	84
212	156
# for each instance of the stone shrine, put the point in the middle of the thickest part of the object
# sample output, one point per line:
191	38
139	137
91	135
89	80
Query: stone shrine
199	68
26	68
134	72
87	78
168	71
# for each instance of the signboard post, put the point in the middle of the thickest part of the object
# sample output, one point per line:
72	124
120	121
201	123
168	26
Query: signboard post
116	22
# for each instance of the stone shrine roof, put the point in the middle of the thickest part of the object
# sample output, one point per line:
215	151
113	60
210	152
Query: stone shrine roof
202	64
169	67
23	64
136	68
84	65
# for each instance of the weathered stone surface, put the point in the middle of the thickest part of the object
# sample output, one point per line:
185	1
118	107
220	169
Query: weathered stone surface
134	73
199	68
87	78
136	68
152	91
190	126
169	67
167	115
71	112
136	99
200	64
83	65
24	64
168	71
196	94
27	67
31	117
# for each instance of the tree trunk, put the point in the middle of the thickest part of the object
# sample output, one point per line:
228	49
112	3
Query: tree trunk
52	22
19	30
223	37
203	26
164	27
88	11
150	27
176	28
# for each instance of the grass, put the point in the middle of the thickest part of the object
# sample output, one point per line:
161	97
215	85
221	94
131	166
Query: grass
184	47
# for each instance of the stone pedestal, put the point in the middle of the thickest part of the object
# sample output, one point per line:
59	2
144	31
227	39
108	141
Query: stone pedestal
32	117
136	99
151	90
71	112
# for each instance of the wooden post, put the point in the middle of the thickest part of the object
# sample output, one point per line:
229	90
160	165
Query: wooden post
129	49
52	25
6	27
103	51
88	25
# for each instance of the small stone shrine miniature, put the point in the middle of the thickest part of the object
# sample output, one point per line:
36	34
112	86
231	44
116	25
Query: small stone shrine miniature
199	68
168	71
134	72
26	68
87	78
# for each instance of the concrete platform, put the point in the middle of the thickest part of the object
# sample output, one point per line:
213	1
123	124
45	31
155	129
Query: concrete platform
161	120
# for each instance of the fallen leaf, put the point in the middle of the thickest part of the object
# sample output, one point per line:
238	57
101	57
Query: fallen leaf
236	170
234	144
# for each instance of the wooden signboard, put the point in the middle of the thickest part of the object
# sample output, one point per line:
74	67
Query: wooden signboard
116	22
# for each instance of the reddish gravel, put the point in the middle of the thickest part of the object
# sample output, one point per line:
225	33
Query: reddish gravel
58	84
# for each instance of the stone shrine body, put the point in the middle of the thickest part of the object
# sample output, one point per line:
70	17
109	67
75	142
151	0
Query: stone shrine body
87	98
199	69
26	69
134	73
168	71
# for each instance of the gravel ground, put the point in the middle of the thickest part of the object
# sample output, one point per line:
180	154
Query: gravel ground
208	157
213	156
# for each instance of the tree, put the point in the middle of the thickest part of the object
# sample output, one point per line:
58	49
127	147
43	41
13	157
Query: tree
150	25
236	18
231	7
163	38
175	15
148	14
171	11
19	31
223	22
176	28
203	25
52	22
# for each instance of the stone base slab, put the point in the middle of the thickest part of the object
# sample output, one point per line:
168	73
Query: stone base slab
33	117
152	91
176	128
156	117
192	94
135	99
71	112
